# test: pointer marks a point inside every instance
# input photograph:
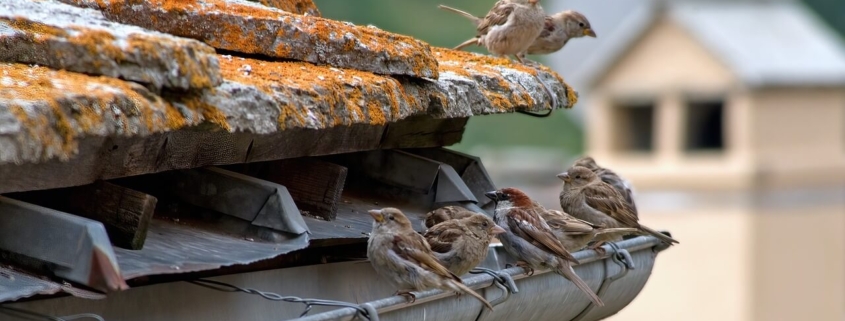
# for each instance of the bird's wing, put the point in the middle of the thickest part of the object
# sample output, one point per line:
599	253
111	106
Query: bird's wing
605	199
413	247
441	237
548	28
530	228
497	16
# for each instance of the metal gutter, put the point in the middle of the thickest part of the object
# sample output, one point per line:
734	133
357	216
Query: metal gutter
542	296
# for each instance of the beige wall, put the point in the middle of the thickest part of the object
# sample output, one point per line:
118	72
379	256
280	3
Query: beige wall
798	136
665	65
770	245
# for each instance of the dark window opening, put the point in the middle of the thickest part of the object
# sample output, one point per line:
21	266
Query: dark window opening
705	126
634	127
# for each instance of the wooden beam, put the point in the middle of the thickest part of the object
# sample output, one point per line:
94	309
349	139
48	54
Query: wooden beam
102	158
315	185
124	212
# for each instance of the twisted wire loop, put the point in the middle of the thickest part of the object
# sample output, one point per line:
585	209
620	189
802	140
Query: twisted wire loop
363	312
499	277
24	314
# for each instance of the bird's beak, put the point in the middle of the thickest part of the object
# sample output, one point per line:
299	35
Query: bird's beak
492	195
377	215
589	32
533	1
497	230
563	176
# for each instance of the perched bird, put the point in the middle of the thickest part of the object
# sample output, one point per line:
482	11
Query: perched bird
587	197
404	258
558	29
574	233
509	28
608	176
461	244
528	238
444	214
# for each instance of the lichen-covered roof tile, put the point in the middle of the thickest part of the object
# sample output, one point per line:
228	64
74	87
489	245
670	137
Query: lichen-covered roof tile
476	84
61	36
44	112
263	97
246	27
303	7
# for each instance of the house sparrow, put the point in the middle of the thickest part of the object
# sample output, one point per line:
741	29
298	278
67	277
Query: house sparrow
508	29
608	176
404	258
574	233
558	29
587	197
461	244
444	214
528	238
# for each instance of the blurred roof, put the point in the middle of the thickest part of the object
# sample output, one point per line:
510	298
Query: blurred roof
764	43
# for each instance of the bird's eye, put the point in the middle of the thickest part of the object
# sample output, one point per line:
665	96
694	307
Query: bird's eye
484	224
390	218
576	176
581	24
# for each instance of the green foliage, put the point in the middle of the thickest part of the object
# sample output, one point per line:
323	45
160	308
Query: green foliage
832	11
423	20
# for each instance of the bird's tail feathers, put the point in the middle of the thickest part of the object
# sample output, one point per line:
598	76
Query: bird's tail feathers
659	235
565	269
466	289
465	14
473	41
615	230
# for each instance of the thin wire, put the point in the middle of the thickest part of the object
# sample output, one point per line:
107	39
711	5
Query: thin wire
309	303
32	315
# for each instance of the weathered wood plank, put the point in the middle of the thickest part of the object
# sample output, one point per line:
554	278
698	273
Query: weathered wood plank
124	212
315	185
424	131
107	158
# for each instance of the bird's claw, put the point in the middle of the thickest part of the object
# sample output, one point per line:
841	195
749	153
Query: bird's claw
529	271
410	297
598	248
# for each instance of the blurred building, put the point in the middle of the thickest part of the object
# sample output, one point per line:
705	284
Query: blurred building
729	118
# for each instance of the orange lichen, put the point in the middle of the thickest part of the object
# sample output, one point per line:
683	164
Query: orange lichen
258	29
210	113
98	42
473	66
333	96
37	28
64	106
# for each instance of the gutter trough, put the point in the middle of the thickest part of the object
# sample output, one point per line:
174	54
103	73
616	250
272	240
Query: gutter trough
617	278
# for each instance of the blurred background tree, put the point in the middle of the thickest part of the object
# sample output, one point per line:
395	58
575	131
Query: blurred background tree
423	20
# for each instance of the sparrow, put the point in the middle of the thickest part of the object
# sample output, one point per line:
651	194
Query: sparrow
558	29
587	197
509	28
403	257
461	244
574	233
608	176
445	213
529	238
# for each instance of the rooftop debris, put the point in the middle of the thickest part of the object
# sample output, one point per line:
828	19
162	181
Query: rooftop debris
61	36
